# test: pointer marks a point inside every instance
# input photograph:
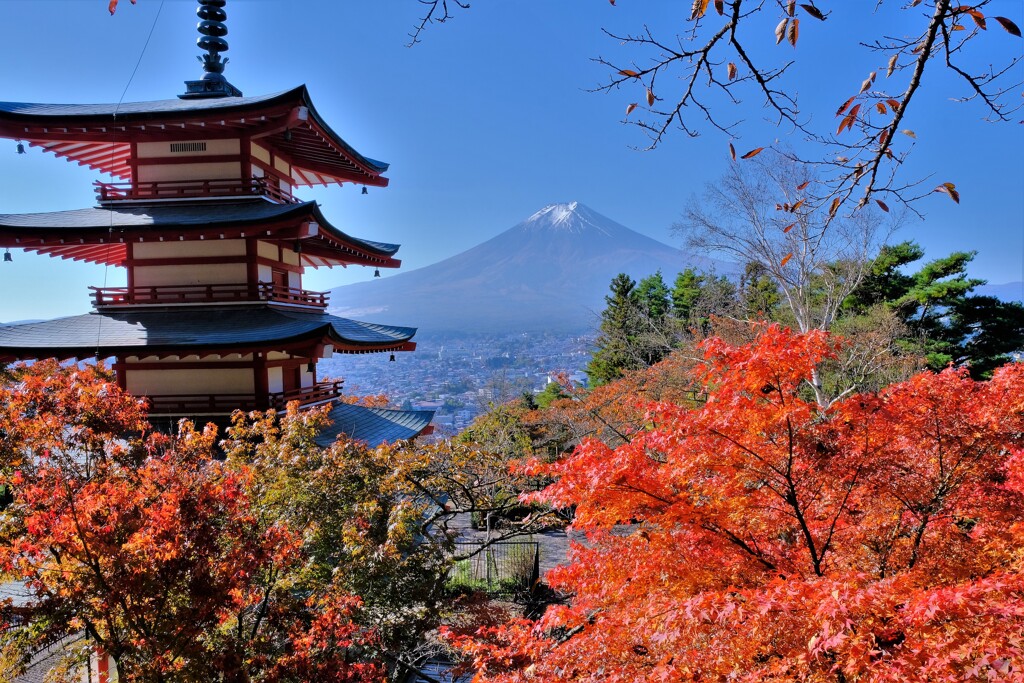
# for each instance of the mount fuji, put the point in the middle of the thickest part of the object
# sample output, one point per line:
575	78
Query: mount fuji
549	273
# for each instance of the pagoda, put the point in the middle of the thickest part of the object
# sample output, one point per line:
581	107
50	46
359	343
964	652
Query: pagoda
201	212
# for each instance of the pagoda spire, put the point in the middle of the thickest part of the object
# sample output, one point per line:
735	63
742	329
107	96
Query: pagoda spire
211	38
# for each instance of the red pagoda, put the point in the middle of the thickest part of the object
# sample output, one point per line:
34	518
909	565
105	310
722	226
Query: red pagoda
214	316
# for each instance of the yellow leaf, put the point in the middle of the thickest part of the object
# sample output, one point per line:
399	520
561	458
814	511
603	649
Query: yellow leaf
650	97
699	8
794	31
630	107
1010	27
629	72
752	153
731	69
882	205
732	152
785	259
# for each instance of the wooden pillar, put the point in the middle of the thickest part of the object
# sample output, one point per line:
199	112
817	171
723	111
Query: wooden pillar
261	381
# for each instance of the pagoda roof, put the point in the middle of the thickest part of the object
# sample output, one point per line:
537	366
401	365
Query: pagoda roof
100	135
189	331
86	234
373	426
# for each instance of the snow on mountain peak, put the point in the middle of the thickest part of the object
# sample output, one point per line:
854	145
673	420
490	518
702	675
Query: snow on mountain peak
568	217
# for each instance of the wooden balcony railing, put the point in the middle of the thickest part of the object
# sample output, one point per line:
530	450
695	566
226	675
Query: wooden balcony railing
206	294
184	404
318	393
179	189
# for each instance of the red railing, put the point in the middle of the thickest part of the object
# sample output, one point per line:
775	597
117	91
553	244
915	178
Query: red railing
183	404
179	189
318	393
205	294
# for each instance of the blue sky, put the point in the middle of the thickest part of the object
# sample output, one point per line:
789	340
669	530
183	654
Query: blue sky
484	122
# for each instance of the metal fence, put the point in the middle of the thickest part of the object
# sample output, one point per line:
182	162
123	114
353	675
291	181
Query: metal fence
501	568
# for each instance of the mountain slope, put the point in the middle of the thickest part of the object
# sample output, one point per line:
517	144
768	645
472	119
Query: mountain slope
548	273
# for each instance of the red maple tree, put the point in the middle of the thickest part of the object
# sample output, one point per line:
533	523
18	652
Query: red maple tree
153	548
760	537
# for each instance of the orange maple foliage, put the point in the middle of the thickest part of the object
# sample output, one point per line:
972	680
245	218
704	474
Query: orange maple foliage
760	537
152	547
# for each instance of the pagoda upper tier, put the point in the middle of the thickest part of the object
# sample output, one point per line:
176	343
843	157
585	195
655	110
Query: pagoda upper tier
157	147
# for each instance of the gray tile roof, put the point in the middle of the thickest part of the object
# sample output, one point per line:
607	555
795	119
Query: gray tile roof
176	108
119	332
373	425
171	214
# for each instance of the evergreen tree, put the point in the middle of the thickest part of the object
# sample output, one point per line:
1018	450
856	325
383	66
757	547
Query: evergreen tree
686	292
620	322
946	322
653	298
759	293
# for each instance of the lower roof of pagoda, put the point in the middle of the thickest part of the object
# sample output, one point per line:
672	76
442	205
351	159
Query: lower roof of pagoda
209	330
99	234
373	426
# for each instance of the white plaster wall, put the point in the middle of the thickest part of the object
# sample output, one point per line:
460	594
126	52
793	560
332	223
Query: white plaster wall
261	153
275	380
204	274
197	171
185	382
178	249
147	150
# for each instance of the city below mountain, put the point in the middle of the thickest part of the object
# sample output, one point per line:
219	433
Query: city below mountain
550	273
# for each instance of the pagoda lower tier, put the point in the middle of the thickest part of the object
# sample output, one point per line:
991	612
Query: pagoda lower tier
209	360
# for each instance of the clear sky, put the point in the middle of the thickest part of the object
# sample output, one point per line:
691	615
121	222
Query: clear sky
483	123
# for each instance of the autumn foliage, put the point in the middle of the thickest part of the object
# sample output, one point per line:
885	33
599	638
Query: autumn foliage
154	548
757	536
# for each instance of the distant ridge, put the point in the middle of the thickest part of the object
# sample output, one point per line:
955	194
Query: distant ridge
549	273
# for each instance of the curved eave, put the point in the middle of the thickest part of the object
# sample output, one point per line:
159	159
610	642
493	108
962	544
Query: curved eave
99	135
182	332
85	234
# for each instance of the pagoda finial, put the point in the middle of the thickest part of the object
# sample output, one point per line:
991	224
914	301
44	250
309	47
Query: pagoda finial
211	38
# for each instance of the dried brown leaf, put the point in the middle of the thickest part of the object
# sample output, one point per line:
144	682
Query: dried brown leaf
731	69
650	97
785	259
882	205
950	189
909	133
789	227
979	19
846	104
630	107
700	7
1010	27
780	31
835	206
794	31
892	65
803	185
752	153
813	11
880	106
791	7
720	7
732	152
628	72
